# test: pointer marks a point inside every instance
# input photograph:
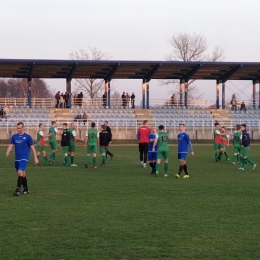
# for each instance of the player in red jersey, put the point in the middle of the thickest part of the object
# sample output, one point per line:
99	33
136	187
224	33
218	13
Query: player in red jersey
143	137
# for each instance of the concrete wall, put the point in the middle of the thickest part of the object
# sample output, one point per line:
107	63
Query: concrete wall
130	132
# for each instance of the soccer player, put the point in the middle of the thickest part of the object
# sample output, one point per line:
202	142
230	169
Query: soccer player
53	142
65	143
40	144
244	149
224	142
163	150
237	139
91	139
143	137
104	139
110	133
217	143
183	144
152	156
72	148
23	143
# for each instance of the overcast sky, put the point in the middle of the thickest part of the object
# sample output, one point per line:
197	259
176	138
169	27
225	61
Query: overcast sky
129	30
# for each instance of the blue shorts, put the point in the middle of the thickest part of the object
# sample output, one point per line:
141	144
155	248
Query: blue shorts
182	156
20	165
152	156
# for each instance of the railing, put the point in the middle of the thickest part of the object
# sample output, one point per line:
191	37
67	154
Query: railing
23	102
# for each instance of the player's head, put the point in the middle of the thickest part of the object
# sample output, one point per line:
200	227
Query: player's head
145	122
20	128
73	125
103	127
182	127
93	124
243	127
217	125
65	125
41	126
223	129
53	123
105	122
161	127
153	130
238	127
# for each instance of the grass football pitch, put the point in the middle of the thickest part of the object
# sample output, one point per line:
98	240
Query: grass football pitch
122	212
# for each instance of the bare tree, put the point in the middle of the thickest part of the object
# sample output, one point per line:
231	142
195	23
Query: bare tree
90	87
115	94
190	47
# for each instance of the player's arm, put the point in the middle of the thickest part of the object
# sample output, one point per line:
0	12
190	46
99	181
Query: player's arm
154	143
9	149
98	139
36	161
190	145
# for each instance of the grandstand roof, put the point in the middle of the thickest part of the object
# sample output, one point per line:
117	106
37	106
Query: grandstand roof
221	71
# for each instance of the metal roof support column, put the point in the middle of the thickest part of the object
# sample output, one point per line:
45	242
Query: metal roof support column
254	93
259	96
108	95
143	93
186	86
29	92
68	89
147	94
181	92
217	95
223	95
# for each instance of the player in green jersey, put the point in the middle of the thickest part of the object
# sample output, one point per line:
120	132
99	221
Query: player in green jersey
224	141
92	140
217	142
52	140
40	144
163	150
237	138
73	138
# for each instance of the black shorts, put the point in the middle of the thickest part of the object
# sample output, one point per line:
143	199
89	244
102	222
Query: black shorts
143	147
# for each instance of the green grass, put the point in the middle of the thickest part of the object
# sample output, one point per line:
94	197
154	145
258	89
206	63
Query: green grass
121	212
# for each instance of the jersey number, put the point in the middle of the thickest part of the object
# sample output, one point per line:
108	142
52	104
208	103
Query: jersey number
164	139
92	135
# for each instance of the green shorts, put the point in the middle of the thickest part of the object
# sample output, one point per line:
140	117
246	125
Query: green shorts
72	147
103	150
224	147
65	149
237	149
244	152
92	148
40	148
163	154
54	145
217	146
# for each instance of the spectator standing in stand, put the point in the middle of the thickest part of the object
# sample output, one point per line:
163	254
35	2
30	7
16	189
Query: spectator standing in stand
57	97
61	100
85	118
78	117
243	106
66	99
123	99
108	129
127	99
80	98
133	100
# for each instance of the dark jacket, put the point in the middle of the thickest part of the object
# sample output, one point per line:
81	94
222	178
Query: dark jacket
245	138
104	138
109	131
65	138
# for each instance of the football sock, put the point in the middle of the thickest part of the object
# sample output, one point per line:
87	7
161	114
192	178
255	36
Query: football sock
165	167
66	160
54	156
154	165
250	161
104	160
180	169
45	158
157	166
242	162
220	155
19	183
185	168
110	154
25	183
86	159
72	159
234	158
238	158
151	164
216	156
226	155
94	160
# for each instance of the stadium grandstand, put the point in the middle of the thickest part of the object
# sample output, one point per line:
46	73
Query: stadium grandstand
198	115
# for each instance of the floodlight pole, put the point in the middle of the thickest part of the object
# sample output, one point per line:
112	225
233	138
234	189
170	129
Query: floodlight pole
147	94
68	89
181	92
186	85
217	95
108	95
143	93
29	81
254	93
223	95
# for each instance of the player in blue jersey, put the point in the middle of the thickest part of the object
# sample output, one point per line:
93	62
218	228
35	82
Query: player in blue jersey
183	144
23	143
152	155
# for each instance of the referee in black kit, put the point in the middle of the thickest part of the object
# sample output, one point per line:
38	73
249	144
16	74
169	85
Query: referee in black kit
110	133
